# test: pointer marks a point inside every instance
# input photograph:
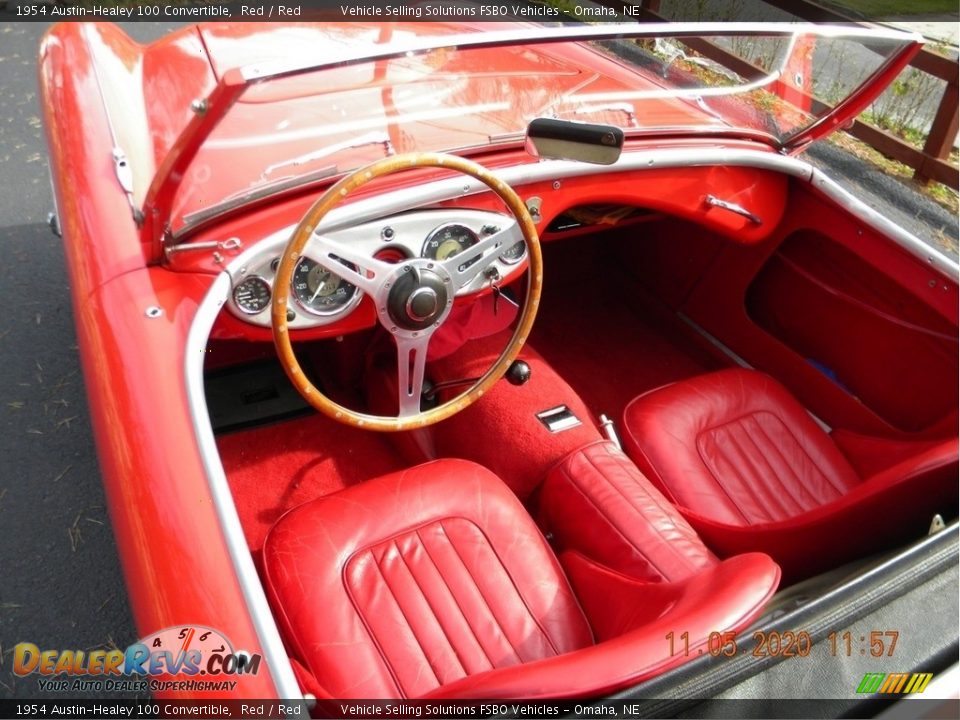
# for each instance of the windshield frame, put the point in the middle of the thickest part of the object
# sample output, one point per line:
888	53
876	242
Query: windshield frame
207	113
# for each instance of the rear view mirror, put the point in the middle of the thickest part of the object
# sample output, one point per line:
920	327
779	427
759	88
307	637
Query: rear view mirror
568	140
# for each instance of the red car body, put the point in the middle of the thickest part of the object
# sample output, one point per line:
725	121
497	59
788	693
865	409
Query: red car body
136	296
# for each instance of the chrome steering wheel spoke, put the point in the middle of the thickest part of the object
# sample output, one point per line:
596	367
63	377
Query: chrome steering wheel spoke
331	254
411	363
474	260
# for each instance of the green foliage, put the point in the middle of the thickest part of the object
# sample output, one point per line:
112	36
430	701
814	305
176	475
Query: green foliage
884	8
899	109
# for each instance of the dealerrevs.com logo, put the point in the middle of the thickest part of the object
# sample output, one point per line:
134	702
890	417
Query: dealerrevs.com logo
192	658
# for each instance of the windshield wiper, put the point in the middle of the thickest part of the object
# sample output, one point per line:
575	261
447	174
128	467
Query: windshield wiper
285	182
238	199
372	138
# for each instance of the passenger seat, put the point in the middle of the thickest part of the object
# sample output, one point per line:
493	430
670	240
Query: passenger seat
751	470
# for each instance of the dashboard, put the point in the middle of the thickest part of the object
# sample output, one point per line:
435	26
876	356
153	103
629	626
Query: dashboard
320	297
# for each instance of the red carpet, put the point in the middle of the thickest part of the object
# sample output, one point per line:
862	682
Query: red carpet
277	467
597	347
606	349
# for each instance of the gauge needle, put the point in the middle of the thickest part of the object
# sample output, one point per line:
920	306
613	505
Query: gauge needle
320	287
186	641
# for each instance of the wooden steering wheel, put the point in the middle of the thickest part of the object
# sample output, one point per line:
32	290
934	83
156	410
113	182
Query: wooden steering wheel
412	298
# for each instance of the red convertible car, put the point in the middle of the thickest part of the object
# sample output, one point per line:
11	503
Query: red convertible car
448	361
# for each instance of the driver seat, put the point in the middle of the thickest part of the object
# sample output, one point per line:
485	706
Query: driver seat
435	582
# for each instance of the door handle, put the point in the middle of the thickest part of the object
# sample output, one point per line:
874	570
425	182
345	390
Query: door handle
714	201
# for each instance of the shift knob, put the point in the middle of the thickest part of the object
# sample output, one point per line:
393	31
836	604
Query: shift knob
518	373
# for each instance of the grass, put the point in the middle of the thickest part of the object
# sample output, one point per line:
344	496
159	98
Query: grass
883	8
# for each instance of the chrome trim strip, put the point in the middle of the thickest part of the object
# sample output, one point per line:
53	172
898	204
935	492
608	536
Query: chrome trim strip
577	33
715	342
442	190
937	260
192	220
449	189
260	614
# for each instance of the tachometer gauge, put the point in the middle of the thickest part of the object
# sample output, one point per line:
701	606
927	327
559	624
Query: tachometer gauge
321	291
447	241
252	295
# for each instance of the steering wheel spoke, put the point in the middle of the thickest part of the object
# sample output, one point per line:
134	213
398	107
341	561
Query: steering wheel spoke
411	363
467	264
364	271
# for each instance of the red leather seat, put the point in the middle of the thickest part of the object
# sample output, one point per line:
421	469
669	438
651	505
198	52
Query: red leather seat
435	582
752	471
597	502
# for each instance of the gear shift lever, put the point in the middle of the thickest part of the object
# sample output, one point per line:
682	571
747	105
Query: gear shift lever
518	373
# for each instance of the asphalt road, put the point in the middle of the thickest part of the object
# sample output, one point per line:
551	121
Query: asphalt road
60	581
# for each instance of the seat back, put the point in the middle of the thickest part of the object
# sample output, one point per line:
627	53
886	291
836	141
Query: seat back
736	447
412	581
434	582
752	471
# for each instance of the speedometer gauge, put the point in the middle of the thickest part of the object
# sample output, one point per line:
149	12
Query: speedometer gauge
252	295
447	241
321	291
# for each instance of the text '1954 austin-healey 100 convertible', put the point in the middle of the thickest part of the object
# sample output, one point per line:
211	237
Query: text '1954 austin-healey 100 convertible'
452	361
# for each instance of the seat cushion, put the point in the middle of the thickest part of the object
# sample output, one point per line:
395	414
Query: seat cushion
735	447
633	620
403	584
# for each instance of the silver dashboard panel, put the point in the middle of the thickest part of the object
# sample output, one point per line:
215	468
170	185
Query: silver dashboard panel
404	232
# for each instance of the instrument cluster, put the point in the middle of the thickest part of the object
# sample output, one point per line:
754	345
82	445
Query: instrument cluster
319	296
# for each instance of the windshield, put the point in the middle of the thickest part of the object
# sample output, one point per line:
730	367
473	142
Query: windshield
305	124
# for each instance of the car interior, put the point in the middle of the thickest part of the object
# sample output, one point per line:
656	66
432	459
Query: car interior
707	410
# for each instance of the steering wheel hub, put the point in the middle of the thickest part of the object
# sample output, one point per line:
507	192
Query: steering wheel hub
417	299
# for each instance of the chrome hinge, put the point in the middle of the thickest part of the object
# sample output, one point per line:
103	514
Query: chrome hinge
936	524
121	168
230	244
123	171
610	430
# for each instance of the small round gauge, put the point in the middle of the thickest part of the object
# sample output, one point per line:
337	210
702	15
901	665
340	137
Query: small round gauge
514	254
447	241
252	295
188	637
320	291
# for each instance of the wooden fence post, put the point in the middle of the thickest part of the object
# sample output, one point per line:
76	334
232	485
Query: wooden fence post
943	131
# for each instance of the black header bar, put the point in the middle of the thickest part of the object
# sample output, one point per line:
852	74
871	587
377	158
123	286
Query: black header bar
94	709
467	10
